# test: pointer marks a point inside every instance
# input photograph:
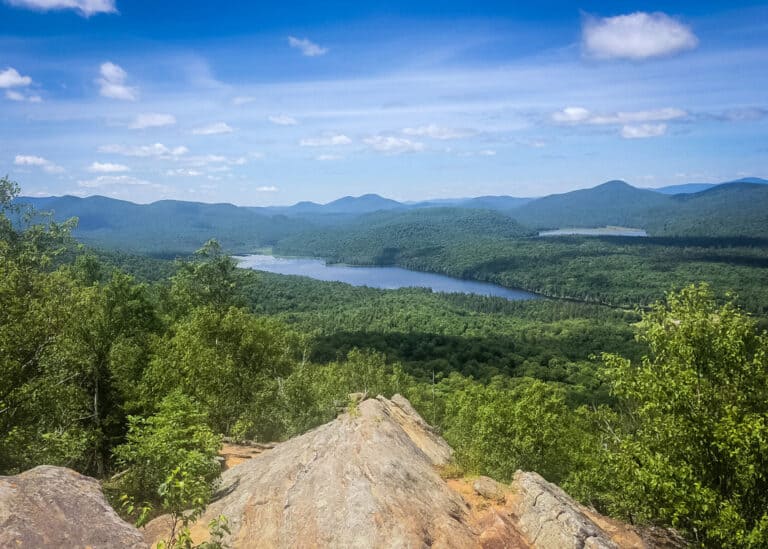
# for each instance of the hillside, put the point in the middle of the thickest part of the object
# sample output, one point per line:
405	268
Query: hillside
612	203
389	237
167	227
732	210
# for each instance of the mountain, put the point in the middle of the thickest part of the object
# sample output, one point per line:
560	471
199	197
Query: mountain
732	209
348	205
167	227
612	203
689	188
685	188
502	203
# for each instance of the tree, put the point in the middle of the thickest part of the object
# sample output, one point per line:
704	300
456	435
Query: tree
174	442
694	453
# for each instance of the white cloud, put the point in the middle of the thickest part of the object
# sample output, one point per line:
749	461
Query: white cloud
283	120
580	115
86	8
107	167
307	47
213	129
157	150
242	100
184	172
10	78
267	189
438	132
643	130
112	83
111	180
15	96
37	161
152	120
328	157
393	145
329	140
571	115
636	36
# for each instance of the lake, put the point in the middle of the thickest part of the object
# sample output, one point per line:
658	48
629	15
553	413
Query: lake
387	278
597	231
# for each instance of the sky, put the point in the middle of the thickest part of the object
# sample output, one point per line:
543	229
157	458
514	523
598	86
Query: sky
259	104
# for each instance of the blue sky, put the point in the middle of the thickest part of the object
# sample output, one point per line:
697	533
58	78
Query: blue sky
272	104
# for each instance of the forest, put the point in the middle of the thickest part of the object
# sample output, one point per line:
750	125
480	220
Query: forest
132	369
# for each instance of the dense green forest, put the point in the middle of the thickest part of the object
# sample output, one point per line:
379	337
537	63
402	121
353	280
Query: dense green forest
131	369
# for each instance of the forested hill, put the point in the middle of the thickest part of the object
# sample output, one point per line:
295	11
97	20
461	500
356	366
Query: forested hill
736	209
395	237
612	203
167	227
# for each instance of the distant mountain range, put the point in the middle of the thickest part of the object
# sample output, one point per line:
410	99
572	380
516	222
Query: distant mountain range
170	227
688	188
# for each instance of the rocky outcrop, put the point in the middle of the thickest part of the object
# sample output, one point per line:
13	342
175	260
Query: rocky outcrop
547	517
367	479
370	479
56	507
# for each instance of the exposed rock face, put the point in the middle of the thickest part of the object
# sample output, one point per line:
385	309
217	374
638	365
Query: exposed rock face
365	480
57	507
369	479
547	517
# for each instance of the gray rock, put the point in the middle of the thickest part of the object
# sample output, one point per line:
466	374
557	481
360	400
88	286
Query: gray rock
56	507
549	518
489	488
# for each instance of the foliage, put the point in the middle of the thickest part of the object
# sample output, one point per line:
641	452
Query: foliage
174	441
231	362
694	453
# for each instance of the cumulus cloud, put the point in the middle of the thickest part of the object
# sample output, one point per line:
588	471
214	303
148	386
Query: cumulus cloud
328	157
437	132
636	36
112	180
152	120
393	145
329	140
267	189
107	167
580	115
307	47
10	78
283	120
216	128
37	161
112	83
643	130
86	8
156	150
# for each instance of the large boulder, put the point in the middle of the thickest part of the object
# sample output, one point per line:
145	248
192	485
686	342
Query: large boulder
57	507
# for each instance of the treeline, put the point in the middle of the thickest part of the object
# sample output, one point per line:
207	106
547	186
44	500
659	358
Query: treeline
136	382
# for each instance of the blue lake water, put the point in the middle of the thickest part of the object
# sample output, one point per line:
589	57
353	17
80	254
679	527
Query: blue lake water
598	231
387	278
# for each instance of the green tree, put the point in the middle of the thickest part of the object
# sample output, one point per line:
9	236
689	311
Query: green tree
174	441
232	362
695	450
